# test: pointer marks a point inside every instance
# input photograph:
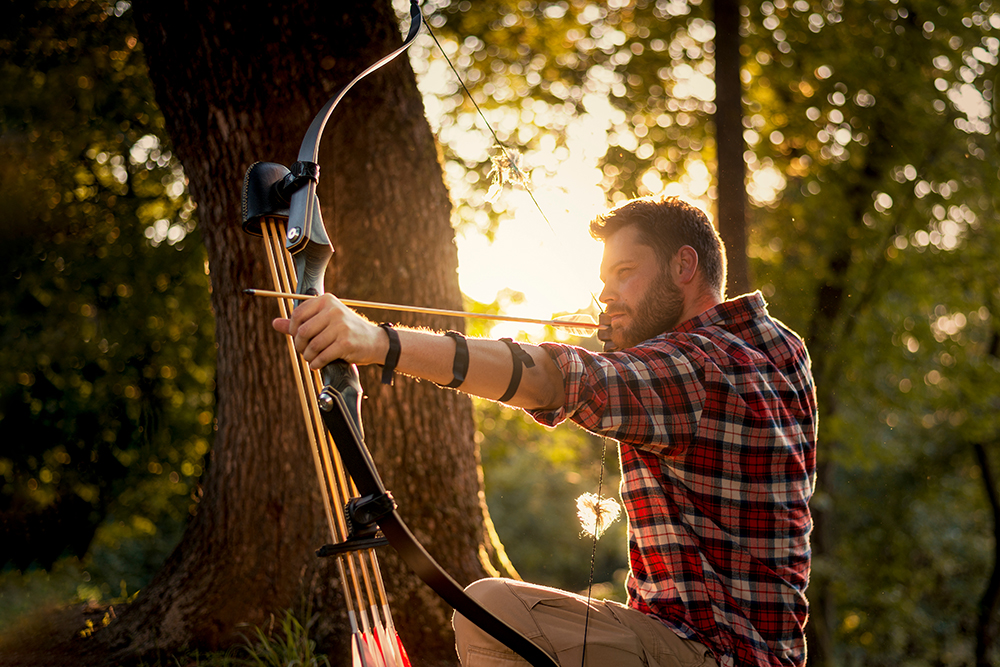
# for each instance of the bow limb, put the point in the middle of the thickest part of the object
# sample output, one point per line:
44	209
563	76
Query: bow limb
340	404
304	214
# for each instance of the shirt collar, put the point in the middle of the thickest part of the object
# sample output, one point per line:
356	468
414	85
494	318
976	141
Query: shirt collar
733	311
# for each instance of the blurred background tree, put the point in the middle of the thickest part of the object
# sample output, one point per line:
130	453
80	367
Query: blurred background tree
532	477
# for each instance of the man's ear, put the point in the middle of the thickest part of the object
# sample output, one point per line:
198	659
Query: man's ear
684	267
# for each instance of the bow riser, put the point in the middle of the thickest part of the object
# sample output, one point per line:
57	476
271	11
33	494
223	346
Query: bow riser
307	242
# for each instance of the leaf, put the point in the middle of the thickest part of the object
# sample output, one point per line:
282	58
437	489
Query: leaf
506	169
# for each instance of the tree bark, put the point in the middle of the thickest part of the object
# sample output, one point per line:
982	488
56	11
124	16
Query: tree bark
239	82
732	196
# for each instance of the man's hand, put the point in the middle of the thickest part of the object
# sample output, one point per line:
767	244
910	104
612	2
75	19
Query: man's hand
324	330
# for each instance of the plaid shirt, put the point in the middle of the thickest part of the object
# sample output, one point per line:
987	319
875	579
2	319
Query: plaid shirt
716	422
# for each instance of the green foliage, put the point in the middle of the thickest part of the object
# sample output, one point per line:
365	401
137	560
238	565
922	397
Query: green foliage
642	70
533	476
23	592
106	359
890	155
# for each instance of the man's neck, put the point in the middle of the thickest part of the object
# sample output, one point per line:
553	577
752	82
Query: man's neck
698	304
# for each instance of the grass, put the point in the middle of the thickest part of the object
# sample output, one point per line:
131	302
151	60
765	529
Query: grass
39	608
287	645
291	647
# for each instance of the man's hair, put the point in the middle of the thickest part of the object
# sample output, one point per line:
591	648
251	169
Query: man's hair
666	224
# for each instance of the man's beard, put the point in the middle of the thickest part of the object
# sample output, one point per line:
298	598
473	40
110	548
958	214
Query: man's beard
658	312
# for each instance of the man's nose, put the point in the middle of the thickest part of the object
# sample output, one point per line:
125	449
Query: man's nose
607	295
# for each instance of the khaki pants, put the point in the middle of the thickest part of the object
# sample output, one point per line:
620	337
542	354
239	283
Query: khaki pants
616	635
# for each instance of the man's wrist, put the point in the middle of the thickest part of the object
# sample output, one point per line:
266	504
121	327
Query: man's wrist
392	351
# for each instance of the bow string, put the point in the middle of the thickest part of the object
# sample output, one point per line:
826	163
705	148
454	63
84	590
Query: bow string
595	511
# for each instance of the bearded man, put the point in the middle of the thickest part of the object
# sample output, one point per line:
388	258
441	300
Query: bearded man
713	405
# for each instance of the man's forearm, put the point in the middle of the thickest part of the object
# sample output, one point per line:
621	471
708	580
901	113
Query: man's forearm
431	356
324	329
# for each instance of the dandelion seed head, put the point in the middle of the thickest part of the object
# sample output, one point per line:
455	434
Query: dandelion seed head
596	513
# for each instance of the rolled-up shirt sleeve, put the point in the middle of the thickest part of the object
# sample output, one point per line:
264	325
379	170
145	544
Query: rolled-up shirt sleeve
650	396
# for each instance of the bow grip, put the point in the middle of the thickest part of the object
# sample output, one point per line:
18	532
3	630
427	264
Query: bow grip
341	379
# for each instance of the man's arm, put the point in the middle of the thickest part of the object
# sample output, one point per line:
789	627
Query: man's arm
324	330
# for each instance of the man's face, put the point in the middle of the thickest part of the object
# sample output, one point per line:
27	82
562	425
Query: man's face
641	298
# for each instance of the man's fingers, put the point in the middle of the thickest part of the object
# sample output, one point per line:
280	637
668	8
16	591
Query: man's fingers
324	330
325	357
317	349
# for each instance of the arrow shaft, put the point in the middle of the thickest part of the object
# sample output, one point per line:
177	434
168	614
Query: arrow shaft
378	305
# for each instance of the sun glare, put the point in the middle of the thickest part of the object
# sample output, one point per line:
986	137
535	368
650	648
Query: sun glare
547	256
555	268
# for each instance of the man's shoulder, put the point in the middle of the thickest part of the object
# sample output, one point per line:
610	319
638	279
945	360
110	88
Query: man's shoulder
737	332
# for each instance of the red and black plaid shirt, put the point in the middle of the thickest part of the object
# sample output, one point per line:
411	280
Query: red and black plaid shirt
717	428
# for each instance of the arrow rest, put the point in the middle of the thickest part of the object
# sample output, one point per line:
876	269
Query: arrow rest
362	515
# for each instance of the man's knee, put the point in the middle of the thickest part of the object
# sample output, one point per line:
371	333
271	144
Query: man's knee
504	599
492	592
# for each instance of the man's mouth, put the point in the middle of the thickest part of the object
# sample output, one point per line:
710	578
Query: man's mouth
615	315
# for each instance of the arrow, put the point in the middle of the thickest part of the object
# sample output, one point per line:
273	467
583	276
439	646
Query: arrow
583	326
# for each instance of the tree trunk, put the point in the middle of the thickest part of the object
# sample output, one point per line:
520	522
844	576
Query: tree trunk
989	603
239	82
731	176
